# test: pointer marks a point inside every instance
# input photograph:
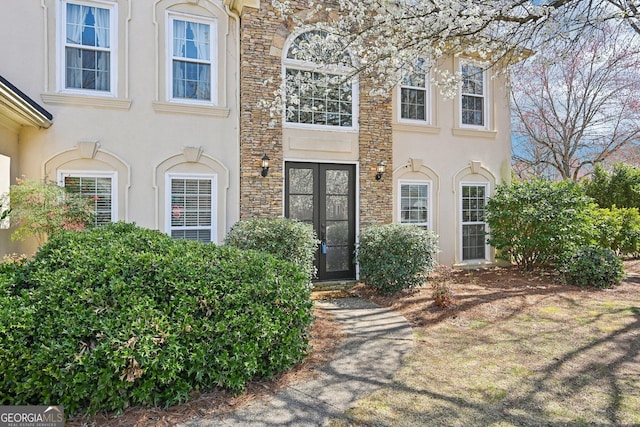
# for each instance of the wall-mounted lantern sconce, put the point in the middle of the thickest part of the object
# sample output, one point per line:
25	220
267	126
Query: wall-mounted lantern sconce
265	165
381	168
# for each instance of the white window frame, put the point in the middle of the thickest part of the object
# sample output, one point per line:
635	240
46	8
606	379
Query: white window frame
62	45
307	66
427	99
484	96
214	202
429	224
213	57
463	223
62	174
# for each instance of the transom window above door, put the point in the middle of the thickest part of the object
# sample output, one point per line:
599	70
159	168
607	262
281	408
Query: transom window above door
318	89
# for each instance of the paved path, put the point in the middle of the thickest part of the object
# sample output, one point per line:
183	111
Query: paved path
376	340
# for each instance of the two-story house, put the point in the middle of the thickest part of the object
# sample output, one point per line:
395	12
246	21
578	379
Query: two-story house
154	107
342	159
144	103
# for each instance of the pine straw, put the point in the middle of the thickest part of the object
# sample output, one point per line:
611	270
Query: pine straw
325	337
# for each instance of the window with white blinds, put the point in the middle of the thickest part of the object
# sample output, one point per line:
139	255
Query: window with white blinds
415	203
99	188
191	207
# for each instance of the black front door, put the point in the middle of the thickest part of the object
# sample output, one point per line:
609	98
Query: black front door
323	195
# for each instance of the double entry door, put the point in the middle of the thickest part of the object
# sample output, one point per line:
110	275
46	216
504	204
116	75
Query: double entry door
323	195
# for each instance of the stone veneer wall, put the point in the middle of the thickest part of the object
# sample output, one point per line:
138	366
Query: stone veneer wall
259	197
263	33
376	197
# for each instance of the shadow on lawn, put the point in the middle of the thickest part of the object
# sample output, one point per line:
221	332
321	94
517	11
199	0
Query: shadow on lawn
526	409
608	363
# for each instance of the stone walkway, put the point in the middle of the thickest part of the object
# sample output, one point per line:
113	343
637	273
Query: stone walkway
376	341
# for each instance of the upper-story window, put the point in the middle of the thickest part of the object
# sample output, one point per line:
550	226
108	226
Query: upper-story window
89	46
473	97
192	66
414	95
318	96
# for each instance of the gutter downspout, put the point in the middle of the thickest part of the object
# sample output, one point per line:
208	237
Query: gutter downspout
236	17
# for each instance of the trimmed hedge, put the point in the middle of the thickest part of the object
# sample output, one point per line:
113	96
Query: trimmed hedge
121	315
284	238
393	257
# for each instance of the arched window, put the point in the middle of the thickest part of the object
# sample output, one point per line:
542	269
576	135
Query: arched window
319	90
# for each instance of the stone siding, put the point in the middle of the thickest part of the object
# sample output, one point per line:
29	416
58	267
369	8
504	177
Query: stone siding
263	34
376	197
259	196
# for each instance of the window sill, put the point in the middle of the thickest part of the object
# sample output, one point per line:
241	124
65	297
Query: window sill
299	126
415	128
478	133
200	110
86	101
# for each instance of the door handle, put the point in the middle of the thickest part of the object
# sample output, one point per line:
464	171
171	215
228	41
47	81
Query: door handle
323	240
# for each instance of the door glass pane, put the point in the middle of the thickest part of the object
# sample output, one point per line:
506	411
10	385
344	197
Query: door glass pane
337	207
337	233
301	207
338	258
300	181
337	181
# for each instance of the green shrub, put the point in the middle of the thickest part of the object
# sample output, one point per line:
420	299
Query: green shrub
395	256
593	266
618	229
283	238
620	187
533	223
121	315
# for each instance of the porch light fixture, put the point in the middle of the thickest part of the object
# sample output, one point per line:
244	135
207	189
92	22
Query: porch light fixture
265	165
381	168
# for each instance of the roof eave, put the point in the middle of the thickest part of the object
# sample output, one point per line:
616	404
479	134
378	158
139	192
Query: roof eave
19	108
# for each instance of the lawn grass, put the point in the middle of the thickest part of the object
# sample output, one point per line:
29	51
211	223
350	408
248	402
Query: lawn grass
566	358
